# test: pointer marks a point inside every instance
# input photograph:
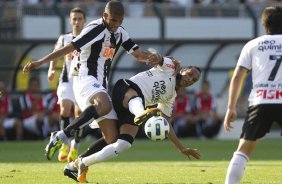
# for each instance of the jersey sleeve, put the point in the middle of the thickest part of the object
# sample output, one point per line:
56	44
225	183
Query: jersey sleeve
245	57
127	43
167	66
60	43
88	36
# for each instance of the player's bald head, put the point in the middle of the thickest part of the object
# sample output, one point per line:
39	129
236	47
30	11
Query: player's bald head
114	7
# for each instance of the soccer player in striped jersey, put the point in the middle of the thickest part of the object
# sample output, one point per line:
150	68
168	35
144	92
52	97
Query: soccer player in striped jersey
262	55
156	86
65	92
94	50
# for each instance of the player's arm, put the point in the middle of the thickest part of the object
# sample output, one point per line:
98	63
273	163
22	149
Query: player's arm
234	91
174	139
50	57
52	70
145	56
52	67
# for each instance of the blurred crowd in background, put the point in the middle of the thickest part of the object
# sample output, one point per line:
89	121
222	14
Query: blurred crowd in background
29	115
205	2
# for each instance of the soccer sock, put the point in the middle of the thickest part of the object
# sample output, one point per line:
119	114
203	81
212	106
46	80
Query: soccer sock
110	151
135	105
61	135
97	146
89	113
236	168
64	122
77	137
74	144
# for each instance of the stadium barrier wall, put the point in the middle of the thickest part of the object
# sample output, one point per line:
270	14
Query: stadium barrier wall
38	27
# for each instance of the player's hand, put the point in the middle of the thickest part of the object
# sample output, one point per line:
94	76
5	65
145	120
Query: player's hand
191	152
154	57
31	65
51	75
230	116
176	64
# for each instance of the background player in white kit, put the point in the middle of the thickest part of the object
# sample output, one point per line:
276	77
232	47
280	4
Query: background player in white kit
65	92
95	48
263	56
156	86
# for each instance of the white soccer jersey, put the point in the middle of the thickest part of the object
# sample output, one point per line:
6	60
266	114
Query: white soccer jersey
158	86
97	46
264	55
63	40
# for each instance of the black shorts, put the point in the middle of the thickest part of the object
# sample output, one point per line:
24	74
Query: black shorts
260	119
120	88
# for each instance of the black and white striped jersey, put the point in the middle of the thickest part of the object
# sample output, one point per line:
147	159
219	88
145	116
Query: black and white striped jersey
62	41
97	46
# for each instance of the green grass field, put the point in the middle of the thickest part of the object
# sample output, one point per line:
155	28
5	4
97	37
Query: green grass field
146	163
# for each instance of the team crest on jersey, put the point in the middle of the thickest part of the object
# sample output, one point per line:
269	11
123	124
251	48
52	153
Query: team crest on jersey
96	85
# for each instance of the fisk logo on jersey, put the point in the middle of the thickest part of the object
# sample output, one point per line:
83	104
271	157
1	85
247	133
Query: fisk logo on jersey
158	89
269	94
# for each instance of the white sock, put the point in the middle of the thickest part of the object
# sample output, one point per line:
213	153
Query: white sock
63	137
135	106
236	168
74	144
110	151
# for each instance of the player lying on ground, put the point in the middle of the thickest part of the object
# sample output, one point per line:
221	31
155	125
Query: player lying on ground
130	97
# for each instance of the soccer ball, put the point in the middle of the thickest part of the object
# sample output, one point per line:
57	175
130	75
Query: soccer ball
156	128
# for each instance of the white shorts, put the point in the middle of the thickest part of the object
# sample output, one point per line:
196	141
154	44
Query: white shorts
85	87
9	123
65	91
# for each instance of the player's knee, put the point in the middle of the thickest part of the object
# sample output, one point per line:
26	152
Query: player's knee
102	103
103	108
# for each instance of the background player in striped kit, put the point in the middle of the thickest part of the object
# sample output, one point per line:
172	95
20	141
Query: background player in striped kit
96	46
65	93
156	86
262	55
